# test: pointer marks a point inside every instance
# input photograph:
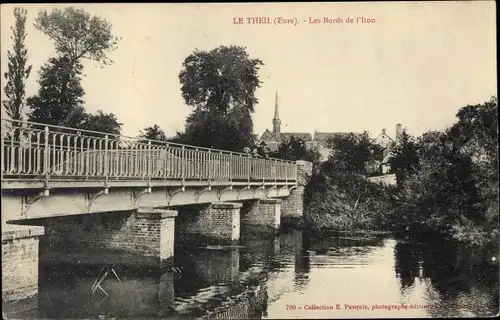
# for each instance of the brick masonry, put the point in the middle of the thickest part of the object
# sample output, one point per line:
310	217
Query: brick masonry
20	261
218	221
147	234
293	205
264	213
304	172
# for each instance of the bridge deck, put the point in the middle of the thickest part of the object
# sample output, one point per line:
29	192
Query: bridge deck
35	154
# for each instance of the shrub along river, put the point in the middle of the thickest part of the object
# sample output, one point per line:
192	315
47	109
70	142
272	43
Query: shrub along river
290	275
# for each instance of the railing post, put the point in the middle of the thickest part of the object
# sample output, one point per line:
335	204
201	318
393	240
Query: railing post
167	162
46	157
296	171
209	164
250	168
230	166
275	171
183	164
149	162
264	171
199	164
220	164
106	165
286	171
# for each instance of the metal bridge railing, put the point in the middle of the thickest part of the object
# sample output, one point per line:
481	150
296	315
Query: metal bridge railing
33	151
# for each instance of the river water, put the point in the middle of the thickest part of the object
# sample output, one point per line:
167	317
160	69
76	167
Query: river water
291	275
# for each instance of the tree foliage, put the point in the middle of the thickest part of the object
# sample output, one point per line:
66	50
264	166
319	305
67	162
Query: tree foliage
78	35
153	133
231	131
220	79
404	160
352	151
338	195
220	85
60	95
101	122
455	189
18	69
295	149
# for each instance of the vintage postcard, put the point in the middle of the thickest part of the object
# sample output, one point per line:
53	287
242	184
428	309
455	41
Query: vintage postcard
249	161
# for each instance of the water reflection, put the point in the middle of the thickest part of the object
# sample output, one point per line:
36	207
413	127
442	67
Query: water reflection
65	291
445	277
271	273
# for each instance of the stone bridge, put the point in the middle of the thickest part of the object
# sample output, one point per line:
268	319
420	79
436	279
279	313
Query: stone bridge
122	195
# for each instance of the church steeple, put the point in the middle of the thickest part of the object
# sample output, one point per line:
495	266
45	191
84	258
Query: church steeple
276	119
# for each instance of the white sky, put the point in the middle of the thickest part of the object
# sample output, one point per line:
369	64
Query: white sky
416	65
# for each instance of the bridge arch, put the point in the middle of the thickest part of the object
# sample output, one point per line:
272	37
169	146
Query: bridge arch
272	192
229	194
207	195
260	193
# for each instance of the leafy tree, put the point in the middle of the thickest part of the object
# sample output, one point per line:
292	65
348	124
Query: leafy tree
442	192
404	160
455	188
18	70
78	35
231	131
351	152
102	122
220	85
475	135
476	131
295	149
153	133
221	79
60	95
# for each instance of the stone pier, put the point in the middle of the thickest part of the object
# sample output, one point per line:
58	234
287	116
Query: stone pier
20	262
143	237
264	214
217	223
154	230
292	207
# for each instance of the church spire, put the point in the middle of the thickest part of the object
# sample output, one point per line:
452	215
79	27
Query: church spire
276	119
276	109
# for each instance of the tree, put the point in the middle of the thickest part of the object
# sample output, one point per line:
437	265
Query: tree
220	85
442	191
404	160
475	135
18	70
351	152
454	189
343	175
295	149
476	131
78	35
102	122
232	131
220	80
60	96
153	133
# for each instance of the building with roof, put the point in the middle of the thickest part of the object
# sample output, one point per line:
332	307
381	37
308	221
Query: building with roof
388	144
274	138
